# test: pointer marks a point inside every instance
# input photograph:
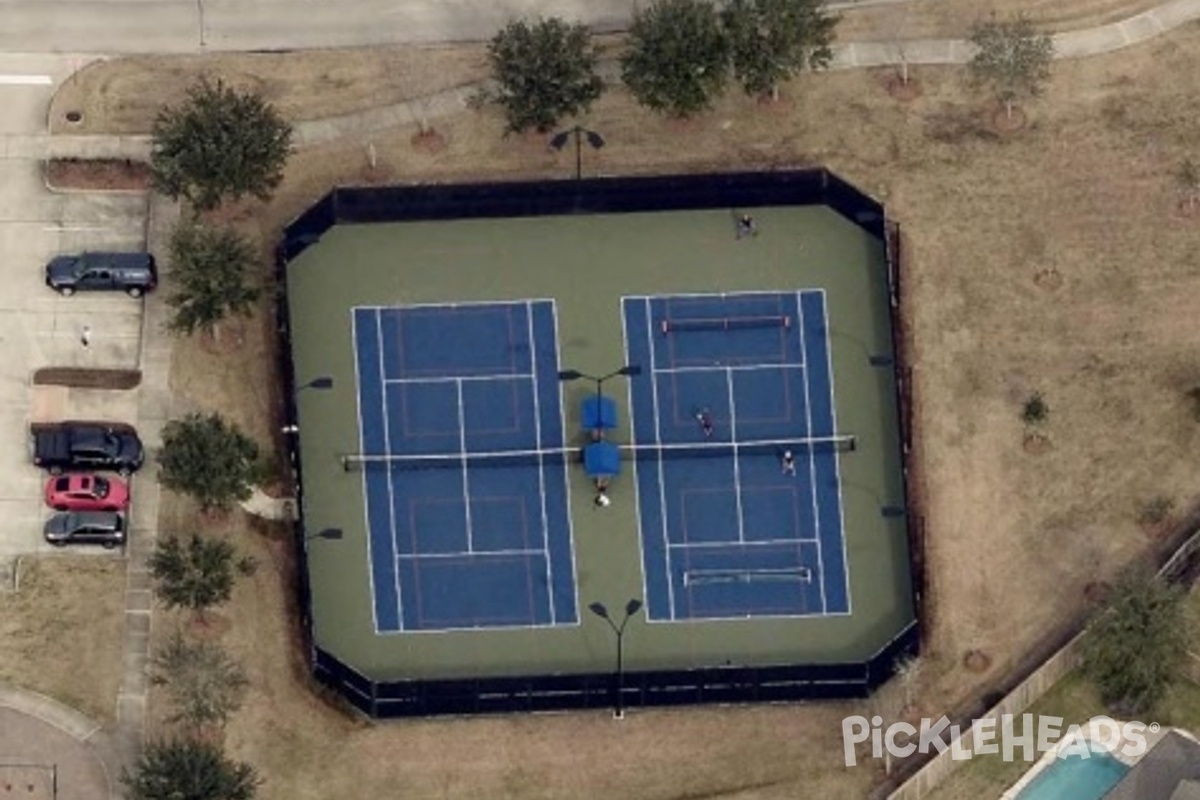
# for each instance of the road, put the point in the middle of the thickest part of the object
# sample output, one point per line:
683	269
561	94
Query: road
189	26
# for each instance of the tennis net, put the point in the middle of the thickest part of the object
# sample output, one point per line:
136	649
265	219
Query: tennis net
684	324
700	577
799	448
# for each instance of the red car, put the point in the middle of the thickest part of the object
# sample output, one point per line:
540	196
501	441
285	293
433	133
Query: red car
86	492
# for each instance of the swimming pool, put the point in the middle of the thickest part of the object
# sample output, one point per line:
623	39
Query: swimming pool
1074	777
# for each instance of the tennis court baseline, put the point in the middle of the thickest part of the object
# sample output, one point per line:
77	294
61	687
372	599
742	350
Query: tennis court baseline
728	529
456	540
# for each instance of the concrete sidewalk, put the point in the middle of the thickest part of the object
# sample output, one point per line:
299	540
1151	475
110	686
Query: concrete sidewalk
848	55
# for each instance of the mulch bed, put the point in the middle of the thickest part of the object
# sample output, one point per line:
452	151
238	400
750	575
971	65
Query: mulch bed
81	378
98	175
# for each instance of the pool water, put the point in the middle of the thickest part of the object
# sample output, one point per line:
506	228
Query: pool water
1074	777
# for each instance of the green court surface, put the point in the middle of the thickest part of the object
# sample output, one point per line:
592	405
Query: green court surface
586	264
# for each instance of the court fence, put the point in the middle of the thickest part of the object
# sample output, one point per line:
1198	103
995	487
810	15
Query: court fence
1176	560
742	684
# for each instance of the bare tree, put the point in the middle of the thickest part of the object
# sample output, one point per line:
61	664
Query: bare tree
1012	59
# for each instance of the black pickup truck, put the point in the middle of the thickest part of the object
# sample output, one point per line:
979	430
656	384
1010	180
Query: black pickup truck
63	446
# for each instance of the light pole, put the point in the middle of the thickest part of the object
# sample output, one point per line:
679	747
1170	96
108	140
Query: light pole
631	607
322	382
629	371
329	534
594	139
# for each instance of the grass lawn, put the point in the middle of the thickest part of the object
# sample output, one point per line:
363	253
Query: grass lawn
1053	259
62	631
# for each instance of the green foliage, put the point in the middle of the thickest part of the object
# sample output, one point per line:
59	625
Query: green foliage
678	57
195	574
188	770
203	683
220	143
209	459
771	41
1135	648
212	269
545	70
1013	59
1035	409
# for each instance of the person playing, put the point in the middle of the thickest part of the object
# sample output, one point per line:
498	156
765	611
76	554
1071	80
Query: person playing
746	226
788	463
602	499
706	422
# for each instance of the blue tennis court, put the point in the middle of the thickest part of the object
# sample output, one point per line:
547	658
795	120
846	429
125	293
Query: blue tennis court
459	539
731	526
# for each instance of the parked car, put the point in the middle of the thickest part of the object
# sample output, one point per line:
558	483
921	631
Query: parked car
105	528
87	446
133	273
86	492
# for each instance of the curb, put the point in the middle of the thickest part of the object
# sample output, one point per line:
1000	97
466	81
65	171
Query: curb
48	710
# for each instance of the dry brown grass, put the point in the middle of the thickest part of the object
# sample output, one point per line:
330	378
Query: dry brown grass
62	631
1085	190
125	95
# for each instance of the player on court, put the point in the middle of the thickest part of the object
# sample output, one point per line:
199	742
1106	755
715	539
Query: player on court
788	463
706	422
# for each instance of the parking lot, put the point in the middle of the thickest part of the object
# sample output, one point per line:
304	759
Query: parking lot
39	328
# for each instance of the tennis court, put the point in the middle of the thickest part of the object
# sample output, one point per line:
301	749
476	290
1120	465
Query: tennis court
739	501
459	539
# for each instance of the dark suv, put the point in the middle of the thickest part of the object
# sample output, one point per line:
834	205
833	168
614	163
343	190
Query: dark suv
133	273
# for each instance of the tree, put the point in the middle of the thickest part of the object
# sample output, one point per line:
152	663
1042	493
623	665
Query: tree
197	574
678	57
219	143
1135	648
1187	177
210	459
545	70
188	770
771	41
212	269
1013	59
204	683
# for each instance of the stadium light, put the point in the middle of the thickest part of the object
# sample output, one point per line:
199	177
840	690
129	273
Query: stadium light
632	606
594	139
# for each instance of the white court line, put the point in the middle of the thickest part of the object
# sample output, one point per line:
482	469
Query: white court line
462	447
637	494
464	304
750	543
705	295
566	476
537	428
737	468
462	378
662	482
812	453
837	461
362	447
517	553
731	368
387	448
26	80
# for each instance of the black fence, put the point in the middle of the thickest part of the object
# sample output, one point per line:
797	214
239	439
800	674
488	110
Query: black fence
772	684
740	191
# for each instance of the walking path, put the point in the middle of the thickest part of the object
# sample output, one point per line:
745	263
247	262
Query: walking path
848	55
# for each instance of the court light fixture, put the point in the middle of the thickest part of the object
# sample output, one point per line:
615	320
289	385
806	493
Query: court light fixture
322	382
559	141
329	534
632	606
